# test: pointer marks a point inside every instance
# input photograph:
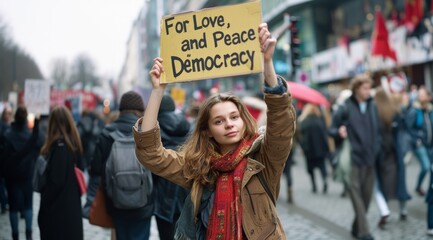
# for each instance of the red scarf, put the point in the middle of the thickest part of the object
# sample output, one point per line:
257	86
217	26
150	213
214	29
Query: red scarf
225	221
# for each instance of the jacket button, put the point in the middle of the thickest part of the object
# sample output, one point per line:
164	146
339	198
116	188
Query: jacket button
252	232
257	167
251	169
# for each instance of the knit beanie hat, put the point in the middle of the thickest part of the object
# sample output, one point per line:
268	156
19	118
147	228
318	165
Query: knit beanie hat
167	104
131	101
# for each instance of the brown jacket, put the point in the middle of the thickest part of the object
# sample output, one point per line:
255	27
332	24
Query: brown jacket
268	155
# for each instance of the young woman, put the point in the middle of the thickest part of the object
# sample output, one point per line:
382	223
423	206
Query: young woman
390	168
233	171
314	142
60	210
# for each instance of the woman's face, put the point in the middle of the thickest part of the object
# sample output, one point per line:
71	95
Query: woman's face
226	126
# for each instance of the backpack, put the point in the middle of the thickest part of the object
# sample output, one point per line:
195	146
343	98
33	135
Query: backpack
128	184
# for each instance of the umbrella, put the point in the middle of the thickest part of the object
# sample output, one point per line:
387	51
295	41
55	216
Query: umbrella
304	93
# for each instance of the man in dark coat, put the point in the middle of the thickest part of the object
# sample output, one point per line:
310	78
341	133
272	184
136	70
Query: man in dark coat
169	197
129	223
357	119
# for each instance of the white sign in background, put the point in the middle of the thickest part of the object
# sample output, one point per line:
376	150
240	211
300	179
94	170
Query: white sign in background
37	96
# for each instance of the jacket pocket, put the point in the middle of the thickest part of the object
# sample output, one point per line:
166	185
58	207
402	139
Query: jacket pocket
258	206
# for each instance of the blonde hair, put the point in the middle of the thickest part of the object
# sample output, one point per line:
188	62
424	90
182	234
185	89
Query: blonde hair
62	125
386	106
309	109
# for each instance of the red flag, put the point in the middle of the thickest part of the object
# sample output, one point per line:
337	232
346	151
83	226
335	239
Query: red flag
413	13
379	39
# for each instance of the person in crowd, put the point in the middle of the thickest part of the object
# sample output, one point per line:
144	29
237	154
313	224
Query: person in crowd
314	142
6	120
21	148
413	94
60	207
288	173
128	223
390	167
357	119
419	120
169	197
429	201
338	143
232	169
94	181
89	126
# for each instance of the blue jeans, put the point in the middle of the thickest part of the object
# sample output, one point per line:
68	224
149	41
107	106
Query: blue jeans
430	216
20	196
3	196
132	229
424	162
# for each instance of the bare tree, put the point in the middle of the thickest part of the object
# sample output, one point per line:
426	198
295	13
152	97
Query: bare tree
15	64
83	71
59	72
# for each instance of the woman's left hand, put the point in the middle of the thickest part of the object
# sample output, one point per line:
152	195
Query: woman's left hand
267	43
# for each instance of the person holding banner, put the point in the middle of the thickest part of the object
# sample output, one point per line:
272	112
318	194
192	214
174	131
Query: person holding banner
232	169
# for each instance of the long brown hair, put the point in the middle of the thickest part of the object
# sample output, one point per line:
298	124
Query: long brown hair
61	125
386	107
198	148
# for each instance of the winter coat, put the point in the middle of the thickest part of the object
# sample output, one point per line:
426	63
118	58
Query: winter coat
89	127
21	148
417	124
60	208
102	150
365	145
314	139
169	197
266	157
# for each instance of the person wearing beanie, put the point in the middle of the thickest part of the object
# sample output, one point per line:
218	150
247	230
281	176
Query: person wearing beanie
127	222
169	197
131	101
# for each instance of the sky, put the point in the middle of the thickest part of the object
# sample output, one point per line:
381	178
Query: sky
50	29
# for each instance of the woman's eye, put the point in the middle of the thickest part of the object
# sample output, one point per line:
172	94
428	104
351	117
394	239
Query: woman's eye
235	117
218	122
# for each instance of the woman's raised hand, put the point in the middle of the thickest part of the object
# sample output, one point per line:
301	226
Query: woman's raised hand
267	43
155	73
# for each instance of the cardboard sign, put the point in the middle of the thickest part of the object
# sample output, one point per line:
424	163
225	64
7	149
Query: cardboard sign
215	42
37	96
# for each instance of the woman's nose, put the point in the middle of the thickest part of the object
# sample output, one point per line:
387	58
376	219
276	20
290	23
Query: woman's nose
229	124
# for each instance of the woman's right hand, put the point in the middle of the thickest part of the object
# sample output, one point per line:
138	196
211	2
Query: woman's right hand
155	73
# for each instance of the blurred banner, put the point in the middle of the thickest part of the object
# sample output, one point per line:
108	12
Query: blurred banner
215	42
37	96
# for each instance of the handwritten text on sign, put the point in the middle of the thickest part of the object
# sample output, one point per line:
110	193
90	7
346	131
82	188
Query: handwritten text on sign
37	96
211	43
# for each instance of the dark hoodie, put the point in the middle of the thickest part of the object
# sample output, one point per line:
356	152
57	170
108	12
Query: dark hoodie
169	197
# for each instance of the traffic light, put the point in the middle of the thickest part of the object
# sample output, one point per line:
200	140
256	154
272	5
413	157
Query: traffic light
295	43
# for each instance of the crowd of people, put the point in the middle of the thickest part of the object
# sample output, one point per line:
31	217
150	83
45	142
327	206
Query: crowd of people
205	173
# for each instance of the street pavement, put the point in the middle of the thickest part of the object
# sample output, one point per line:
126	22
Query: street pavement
313	216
